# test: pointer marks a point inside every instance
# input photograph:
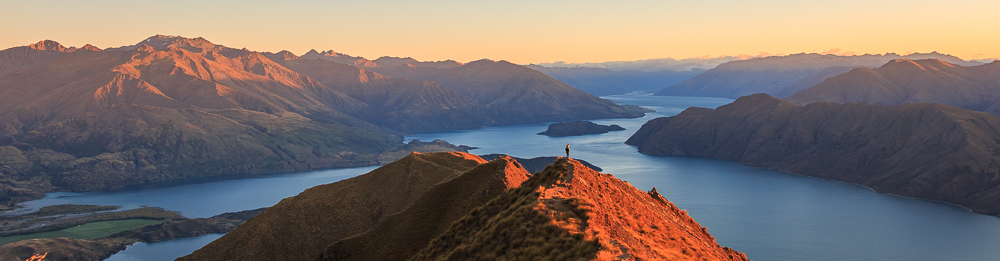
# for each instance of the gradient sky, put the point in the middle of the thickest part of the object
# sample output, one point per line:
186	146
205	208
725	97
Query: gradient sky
523	31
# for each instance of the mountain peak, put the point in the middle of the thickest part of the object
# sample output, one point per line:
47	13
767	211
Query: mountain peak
924	64
170	41
89	47
388	61
313	54
48	45
283	55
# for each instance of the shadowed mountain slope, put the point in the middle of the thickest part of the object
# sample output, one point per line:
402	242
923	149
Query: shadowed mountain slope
908	81
772	75
922	150
300	227
399	236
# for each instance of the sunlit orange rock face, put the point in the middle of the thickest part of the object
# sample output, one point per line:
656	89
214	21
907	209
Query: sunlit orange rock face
565	212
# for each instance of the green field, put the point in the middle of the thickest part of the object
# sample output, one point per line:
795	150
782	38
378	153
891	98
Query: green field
92	230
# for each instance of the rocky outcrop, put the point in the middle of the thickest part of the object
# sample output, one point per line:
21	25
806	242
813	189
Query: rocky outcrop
922	150
577	128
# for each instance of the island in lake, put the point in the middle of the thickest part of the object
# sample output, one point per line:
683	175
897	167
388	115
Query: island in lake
577	128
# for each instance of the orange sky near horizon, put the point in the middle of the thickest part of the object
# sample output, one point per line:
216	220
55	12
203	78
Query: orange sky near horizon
523	31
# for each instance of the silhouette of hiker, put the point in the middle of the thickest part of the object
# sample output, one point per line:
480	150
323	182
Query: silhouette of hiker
567	151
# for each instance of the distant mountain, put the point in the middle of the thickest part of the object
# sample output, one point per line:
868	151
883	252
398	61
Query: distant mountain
396	103
513	94
413	96
601	82
391	62
922	150
655	65
777	74
908	81
332	56
813	80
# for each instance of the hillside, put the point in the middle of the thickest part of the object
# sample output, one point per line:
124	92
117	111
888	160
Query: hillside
300	227
565	212
773	75
922	150
909	81
400	235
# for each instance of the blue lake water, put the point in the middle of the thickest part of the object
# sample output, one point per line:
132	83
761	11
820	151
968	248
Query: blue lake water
766	214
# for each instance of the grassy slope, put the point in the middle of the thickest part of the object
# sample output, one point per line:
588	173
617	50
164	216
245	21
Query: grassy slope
93	230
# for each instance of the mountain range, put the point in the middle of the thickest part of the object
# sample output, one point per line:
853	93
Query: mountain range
169	107
924	150
601	82
782	76
492	210
911	81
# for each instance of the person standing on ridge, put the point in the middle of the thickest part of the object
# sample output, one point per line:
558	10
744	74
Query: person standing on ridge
567	151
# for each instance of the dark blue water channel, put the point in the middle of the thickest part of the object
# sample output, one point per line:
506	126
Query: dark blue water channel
768	215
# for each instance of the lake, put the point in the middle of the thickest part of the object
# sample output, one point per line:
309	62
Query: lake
766	214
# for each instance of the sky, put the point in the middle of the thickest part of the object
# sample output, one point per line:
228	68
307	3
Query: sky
523	32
